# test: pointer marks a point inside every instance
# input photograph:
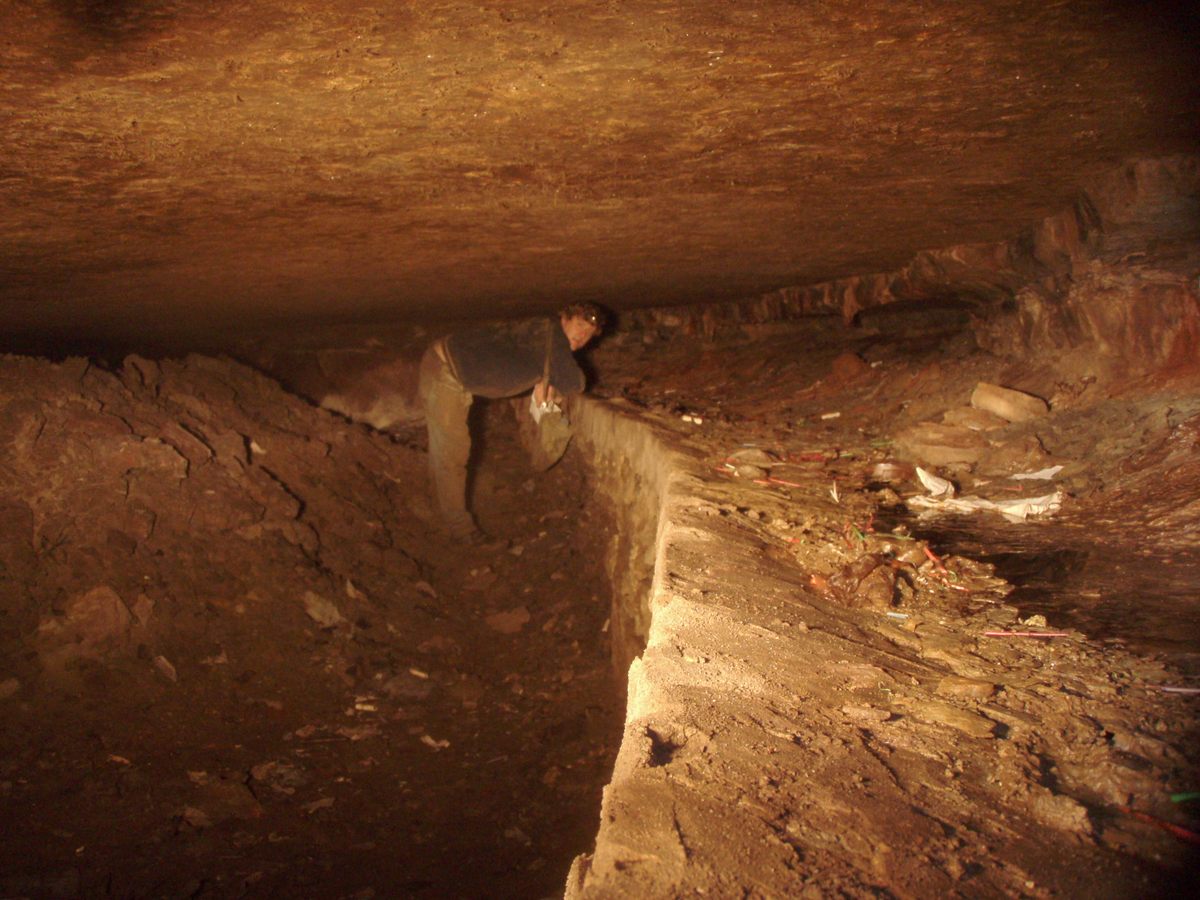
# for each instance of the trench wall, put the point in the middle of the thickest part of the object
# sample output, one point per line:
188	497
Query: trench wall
693	654
632	471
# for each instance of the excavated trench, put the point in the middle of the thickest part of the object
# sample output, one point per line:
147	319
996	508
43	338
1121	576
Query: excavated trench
230	627
239	661
788	724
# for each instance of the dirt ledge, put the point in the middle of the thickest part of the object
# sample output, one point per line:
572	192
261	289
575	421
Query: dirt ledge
777	743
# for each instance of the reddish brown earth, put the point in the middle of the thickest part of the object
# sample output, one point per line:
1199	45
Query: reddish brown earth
237	662
236	657
863	406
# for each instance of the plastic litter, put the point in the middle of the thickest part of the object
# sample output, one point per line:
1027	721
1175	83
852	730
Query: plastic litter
537	410
1183	834
777	481
941	499
937	487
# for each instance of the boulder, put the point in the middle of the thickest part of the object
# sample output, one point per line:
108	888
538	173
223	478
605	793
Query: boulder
847	367
1013	406
94	625
936	444
322	611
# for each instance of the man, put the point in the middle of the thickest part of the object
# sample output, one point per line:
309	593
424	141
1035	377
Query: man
498	361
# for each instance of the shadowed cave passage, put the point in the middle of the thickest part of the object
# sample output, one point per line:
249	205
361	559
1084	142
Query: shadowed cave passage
238	661
230	626
1117	587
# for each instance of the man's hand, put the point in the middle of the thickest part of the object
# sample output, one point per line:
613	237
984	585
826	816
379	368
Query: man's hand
543	393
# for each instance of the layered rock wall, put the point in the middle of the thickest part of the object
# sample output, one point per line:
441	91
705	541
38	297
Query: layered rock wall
1130	319
1075	279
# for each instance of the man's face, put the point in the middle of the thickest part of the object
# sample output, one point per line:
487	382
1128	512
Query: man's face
578	331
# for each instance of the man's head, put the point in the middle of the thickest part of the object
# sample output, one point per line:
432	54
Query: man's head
581	322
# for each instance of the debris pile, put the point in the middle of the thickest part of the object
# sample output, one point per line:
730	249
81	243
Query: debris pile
852	679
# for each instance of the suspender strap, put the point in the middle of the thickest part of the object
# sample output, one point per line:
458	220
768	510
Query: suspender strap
546	366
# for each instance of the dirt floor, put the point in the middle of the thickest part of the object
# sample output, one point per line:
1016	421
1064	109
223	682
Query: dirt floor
863	407
239	660
905	717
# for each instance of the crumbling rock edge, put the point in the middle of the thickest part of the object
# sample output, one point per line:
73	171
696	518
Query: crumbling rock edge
778	744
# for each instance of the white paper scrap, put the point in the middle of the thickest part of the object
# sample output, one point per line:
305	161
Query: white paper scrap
1020	510
1040	475
937	487
1013	510
537	410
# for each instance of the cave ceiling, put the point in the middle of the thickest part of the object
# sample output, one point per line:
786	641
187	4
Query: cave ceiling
176	165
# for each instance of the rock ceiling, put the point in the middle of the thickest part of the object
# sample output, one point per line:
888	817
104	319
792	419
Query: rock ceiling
179	165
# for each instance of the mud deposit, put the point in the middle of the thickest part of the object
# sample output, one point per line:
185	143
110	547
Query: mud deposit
236	660
1121	589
